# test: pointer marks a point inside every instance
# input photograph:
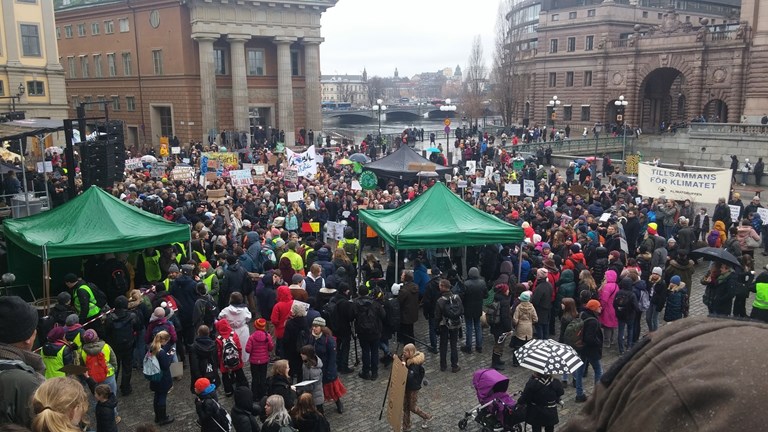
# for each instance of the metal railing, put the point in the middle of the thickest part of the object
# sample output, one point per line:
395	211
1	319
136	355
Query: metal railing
574	146
730	129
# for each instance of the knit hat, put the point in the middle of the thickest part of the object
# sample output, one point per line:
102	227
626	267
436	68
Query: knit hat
63	298
541	273
296	279
201	385
575	248
173	268
593	305
159	312
515	214
525	296
615	254
70	277
205	265
675	280
319	321
545	245
652	227
260	324
90	335
71	320
56	333
657	270
279	243
187	268
671	240
121	302
18	320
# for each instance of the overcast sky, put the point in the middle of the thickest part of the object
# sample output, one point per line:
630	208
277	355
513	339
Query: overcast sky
413	35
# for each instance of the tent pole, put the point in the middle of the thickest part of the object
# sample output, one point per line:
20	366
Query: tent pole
360	253
46	280
464	263
520	263
397	261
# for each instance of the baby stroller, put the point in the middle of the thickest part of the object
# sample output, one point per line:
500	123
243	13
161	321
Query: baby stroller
496	411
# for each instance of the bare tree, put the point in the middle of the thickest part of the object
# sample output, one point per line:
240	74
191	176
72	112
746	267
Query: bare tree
504	69
375	89
474	82
346	91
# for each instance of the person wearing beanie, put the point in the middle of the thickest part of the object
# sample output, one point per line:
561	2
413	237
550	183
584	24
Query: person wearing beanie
121	328
258	347
84	300
100	360
173	273
57	315
207	407
56	353
652	228
324	346
543	292
677	300
592	350
157	323
296	335
524	320
297	288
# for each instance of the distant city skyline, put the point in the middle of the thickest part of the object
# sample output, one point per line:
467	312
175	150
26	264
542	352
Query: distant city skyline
378	36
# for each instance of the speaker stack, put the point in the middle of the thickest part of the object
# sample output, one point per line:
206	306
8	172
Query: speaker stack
103	159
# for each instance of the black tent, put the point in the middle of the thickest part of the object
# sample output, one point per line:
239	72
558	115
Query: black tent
405	164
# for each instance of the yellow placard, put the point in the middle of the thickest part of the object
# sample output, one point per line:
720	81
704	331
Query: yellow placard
164	146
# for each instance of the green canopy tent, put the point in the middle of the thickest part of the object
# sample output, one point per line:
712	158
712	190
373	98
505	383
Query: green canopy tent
439	219
93	223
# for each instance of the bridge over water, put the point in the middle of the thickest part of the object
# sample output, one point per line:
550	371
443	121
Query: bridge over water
392	113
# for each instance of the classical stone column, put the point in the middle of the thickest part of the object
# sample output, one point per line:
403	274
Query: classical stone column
314	118
11	33
285	89
239	81
207	83
49	32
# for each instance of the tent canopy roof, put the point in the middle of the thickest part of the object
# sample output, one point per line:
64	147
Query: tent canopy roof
93	223
438	218
404	164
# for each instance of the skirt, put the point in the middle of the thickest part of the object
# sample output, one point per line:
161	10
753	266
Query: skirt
334	390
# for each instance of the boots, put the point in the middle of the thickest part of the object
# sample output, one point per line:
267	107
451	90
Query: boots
496	362
161	417
339	406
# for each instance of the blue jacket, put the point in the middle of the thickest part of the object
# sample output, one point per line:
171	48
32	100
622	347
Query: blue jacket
325	349
421	278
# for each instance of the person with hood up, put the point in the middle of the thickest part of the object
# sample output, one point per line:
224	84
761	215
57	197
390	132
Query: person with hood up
626	306
420	277
506	274
238	316
259	346
121	328
204	358
56	353
74	331
660	252
607	293
717	240
338	277
541	395
475	291
231	376
296	335
592	351
235	279
414	361
206	310
243	418
600	265
280	314
677	300
524	319
566	288
541	299
681	266
324	261
207	407
266	293
500	296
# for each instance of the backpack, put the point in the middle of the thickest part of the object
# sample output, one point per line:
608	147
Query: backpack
101	298
452	312
574	332
221	418
210	313
97	366
366	319
622	304
329	313
230	355
732	245
644	301
151	368
119	281
392	310
492	313
122	331
351	250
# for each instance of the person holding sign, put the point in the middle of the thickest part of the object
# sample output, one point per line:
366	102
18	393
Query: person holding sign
414	361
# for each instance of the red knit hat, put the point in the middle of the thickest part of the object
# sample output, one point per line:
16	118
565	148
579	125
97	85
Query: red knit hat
201	384
593	305
652	228
260	324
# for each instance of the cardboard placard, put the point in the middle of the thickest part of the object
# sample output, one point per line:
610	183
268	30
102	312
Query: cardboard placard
396	395
513	189
295	196
735	210
134	163
241	178
210	176
183	173
291	176
216	194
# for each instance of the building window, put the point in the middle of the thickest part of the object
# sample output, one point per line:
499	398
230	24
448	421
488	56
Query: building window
81	30
97	73
166	121
567	113
590	12
68	32
30	40
111	65
84	66
571	44
569	79
295	63
109	27
87	102
95	29
130	103
115	103
58	32
157	61
552	46
555	17
571	15
35	88
72	67
127	67
587	78
220	61
645	14
255	59
2	88
124	25
589	43
585	113
75	102
660	16
553	79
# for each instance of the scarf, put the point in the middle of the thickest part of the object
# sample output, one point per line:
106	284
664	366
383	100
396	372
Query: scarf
10	352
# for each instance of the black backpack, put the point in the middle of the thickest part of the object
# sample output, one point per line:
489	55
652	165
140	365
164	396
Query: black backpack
230	355
101	298
367	322
122	334
119	281
329	313
452	311
392	310
211	312
623	304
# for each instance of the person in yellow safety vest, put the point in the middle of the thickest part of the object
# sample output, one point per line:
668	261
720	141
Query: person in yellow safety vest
148	269
297	263
181	252
92	347
350	245
83	298
760	305
74	332
173	273
56	353
209	278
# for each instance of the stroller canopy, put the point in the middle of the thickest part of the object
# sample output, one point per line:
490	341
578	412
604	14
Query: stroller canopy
488	382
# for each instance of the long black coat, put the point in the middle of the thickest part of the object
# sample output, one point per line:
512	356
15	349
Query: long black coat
505	324
541	395
474	293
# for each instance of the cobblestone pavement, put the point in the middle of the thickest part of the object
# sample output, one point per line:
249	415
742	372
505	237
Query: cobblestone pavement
447	396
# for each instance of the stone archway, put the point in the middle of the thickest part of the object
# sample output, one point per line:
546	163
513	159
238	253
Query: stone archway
660	93
716	111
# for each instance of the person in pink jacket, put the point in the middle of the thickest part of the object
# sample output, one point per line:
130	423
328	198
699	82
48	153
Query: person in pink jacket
259	345
608	317
280	314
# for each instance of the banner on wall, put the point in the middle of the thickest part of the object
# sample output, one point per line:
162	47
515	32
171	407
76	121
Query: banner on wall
305	163
697	186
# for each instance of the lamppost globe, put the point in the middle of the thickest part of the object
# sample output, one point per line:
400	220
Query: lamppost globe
621	105
379	101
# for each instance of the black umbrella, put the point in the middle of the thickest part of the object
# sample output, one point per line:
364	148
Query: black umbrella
717	255
360	158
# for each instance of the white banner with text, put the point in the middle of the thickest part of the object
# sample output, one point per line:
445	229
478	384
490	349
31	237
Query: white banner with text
697	186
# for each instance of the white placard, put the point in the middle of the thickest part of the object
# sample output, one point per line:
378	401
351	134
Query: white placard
513	189
248	166
488	171
356	185
735	210
304	163
529	187
462	184
185	160
134	163
763	212
46	166
183	173
697	186
175	150
260	169
448	178
623	245
240	178
291	175
480	181
295	196
604	217
477	188
471	167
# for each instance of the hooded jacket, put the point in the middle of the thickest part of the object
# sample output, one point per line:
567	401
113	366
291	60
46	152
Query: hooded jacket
324	261
566	286
415	367
282	310
744	232
506	274
524	318
225	331
625	303
677	303
601	264
542	299
314	373
266	295
243	419
202	355
94	348
683	269
475	292
259	345
607	294
659	255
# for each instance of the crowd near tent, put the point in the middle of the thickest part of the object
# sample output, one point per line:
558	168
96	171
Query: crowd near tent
404	164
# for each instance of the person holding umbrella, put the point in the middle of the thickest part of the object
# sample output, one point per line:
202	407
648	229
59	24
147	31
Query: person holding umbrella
541	395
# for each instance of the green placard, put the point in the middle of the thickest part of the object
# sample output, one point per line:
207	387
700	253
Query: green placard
368	180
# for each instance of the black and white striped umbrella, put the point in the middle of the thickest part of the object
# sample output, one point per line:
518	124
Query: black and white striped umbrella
548	357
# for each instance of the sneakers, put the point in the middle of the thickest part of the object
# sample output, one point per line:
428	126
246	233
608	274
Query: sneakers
425	423
455	369
581	398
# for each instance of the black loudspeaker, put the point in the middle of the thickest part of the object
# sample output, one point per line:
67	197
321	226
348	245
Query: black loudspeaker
103	161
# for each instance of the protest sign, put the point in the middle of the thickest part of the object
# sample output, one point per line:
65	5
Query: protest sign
134	163
46	166
291	176
295	196
396	396
480	181
513	189
240	178
228	160
735	210
356	185
528	187
305	163
697	186
183	173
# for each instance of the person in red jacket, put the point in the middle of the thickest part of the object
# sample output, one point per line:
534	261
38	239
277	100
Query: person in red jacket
232	376
576	256
280	314
259	345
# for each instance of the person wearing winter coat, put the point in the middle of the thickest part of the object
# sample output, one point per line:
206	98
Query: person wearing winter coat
324	260
600	265
501	295
608	315
542	302
643	295
206	309
243	418
266	293
541	396
106	407
231	376
566	287
279	383
414	361
507	274
161	387
157	323
258	348
121	328
681	266
307	418
475	291
660	252
203	358
677	300
746	231
280	314
207	407
56	344
658	292
296	335
238	316
627	308
235	280
592	351
324	344
720	284
408	297
312	369
92	347
523	319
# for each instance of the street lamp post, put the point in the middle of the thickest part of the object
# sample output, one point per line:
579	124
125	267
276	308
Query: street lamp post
448	108
553	103
379	108
13	98
621	104
598	129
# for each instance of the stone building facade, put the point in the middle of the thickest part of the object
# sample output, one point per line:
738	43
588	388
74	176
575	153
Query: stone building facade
194	68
